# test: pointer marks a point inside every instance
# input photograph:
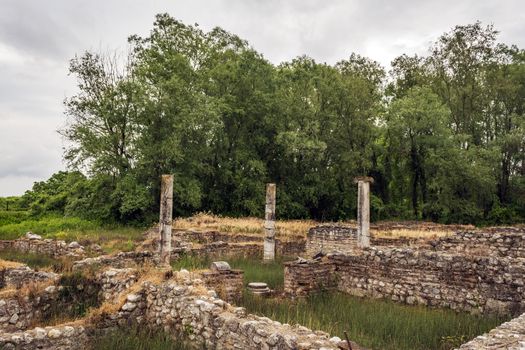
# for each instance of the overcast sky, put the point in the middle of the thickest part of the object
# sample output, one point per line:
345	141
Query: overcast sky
37	38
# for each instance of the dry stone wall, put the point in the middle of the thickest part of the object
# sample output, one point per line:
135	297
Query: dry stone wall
343	239
51	247
63	337
228	284
16	277
186	308
507	242
468	283
510	336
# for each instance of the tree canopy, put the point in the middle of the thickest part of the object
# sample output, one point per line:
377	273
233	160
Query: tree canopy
443	135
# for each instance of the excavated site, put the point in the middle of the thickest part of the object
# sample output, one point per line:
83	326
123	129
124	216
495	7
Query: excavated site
476	271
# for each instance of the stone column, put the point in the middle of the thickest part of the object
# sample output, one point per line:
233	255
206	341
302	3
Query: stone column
269	223
165	221
363	210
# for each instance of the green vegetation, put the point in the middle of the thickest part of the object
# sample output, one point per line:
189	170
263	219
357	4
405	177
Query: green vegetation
376	324
135	339
254	269
111	237
443	134
31	259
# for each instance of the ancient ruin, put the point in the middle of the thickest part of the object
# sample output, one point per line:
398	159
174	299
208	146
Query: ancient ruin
472	270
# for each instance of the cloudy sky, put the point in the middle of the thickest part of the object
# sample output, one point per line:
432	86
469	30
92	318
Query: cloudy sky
37	38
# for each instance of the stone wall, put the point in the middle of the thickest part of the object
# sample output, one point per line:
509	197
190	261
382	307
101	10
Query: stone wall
120	260
343	239
227	283
468	283
17	276
331	238
63	337
50	247
510	336
220	244
187	308
502	242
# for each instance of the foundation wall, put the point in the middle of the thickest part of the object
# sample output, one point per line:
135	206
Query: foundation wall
467	283
50	247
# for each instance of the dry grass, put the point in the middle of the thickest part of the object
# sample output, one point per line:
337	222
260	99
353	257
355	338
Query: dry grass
6	264
245	226
412	233
299	228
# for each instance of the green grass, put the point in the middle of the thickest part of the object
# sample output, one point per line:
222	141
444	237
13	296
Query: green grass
254	269
111	238
133	339
375	324
30	259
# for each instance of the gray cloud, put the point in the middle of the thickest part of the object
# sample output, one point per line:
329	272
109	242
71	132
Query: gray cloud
37	39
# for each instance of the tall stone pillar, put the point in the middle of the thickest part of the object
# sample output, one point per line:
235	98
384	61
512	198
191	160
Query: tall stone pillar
363	210
165	221
269	224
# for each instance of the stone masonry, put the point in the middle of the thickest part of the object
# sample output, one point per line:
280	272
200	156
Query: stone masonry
468	283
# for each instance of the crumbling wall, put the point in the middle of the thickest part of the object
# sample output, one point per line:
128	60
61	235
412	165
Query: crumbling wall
50	247
228	284
17	276
187	308
64	337
507	242
509	335
343	239
468	283
120	260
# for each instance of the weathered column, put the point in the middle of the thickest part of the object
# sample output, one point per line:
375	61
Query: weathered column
269	223
363	210
166	209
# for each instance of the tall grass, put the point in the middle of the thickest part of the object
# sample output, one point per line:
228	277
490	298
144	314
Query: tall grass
376	324
135	339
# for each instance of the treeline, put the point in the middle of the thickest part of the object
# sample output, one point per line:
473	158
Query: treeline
442	135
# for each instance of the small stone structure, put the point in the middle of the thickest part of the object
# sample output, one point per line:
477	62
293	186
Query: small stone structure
226	282
259	288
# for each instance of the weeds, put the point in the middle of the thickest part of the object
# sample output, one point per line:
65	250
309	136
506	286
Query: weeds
376	324
32	260
138	339
255	270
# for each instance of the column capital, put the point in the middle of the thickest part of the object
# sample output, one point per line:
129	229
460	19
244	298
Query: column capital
358	179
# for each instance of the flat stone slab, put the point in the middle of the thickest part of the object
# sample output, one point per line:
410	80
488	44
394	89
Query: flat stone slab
220	266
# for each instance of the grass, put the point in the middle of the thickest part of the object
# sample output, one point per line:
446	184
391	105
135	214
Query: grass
30	259
246	226
135	339
376	324
254	269
111	238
